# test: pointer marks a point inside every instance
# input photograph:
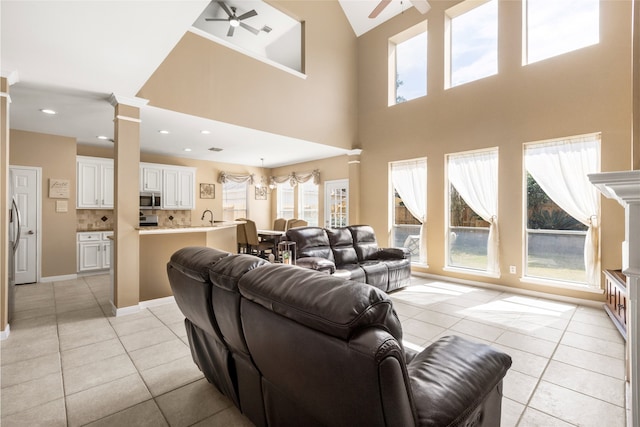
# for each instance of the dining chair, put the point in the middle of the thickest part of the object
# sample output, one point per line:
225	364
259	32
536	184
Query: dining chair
241	236
280	224
254	245
293	223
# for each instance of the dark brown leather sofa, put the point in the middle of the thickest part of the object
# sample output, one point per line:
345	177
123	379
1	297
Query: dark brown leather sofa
352	253
295	347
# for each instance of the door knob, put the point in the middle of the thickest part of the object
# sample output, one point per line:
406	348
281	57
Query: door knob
30	232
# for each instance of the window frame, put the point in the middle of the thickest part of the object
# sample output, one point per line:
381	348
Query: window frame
393	42
225	193
451	14
447	206
280	209
526	37
301	201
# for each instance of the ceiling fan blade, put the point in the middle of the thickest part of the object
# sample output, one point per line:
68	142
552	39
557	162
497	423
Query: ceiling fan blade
379	8
225	8
247	15
249	28
216	19
230	32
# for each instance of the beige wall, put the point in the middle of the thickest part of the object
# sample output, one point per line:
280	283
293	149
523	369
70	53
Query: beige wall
209	80
56	155
585	91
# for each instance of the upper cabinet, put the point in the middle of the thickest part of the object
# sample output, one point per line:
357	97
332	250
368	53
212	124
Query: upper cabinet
150	178
94	183
175	184
178	187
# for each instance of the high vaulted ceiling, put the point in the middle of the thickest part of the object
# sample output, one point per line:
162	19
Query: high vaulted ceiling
70	56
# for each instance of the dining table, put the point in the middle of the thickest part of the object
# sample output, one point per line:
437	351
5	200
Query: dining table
271	236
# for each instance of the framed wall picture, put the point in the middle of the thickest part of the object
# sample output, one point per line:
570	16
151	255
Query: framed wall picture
261	193
207	191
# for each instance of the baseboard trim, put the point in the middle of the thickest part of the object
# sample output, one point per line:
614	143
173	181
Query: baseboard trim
58	278
142	305
5	334
156	302
502	288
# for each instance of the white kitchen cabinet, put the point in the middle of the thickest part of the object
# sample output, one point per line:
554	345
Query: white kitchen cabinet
178	188
150	178
94	250
94	183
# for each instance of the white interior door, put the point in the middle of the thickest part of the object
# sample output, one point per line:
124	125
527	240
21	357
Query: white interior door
25	188
336	203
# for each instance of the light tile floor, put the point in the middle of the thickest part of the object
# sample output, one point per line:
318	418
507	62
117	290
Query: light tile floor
68	361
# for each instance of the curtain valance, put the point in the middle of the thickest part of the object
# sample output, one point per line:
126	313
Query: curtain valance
295	178
235	177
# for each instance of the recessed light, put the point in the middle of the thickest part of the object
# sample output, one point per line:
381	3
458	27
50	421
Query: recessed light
48	111
164	132
187	149
104	138
205	132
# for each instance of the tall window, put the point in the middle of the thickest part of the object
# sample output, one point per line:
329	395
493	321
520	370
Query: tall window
408	64
473	41
409	202
234	200
563	210
554	27
308	202
285	201
472	237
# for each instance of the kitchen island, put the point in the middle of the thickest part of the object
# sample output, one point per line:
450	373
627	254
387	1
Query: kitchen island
157	244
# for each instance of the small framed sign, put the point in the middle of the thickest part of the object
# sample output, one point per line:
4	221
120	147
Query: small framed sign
58	188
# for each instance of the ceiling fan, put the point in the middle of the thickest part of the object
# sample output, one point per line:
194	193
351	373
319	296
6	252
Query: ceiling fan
234	20
423	7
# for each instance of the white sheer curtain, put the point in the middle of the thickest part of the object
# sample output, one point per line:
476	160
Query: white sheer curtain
475	177
561	168
409	179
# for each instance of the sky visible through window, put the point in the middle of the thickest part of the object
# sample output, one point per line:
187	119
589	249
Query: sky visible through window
474	44
411	68
556	27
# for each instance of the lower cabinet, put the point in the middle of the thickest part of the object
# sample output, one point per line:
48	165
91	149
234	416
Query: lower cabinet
616	305
94	250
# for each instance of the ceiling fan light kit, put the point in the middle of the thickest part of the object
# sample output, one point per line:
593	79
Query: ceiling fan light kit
236	21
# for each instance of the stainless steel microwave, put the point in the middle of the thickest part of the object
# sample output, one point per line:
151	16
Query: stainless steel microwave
150	201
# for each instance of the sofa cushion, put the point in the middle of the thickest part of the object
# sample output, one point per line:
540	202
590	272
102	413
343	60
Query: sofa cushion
342	245
333	306
225	296
364	241
310	242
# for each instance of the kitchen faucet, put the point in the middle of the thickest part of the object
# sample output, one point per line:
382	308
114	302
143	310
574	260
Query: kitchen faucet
204	213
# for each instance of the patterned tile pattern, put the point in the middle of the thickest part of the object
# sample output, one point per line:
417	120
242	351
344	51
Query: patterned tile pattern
69	362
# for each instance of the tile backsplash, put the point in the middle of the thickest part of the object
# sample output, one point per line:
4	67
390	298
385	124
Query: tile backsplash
95	219
103	219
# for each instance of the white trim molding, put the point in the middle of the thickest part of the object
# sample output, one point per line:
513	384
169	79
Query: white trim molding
5	334
128	119
58	278
142	305
115	99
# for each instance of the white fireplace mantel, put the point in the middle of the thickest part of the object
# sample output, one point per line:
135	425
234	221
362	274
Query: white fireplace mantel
625	188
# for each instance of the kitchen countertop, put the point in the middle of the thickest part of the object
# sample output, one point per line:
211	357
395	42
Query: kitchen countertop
188	228
94	230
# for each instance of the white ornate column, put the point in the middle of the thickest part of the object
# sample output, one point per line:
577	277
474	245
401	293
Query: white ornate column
625	188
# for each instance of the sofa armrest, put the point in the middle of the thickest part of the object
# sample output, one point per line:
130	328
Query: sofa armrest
390	253
317	263
452	379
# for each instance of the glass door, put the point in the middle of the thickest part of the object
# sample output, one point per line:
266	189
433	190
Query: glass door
336	203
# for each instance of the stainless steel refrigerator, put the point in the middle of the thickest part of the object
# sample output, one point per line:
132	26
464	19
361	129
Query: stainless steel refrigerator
14	240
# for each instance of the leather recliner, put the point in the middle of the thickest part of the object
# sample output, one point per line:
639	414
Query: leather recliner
352	253
305	348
